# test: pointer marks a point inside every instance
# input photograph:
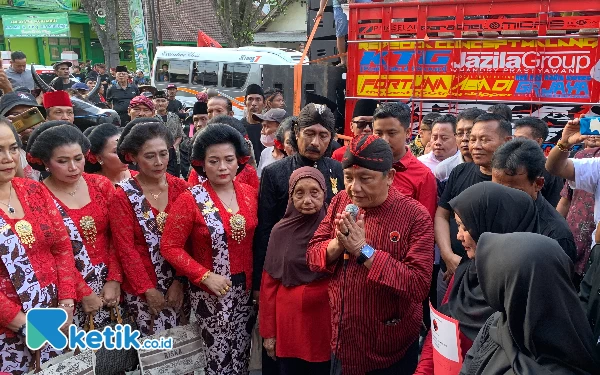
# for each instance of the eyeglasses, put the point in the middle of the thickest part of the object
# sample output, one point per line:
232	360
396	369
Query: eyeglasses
363	124
462	135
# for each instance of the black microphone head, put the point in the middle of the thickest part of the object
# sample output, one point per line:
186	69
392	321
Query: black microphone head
352	209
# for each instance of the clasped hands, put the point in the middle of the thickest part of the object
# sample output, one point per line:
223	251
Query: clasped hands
350	234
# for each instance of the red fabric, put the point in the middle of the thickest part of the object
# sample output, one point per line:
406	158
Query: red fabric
129	241
339	153
415	180
206	41
298	317
382	305
101	191
247	176
186	222
57	99
51	255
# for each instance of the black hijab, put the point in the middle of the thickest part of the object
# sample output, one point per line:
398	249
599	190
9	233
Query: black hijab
540	327
484	207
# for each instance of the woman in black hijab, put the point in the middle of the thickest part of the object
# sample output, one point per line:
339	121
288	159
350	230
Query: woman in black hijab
483	207
540	327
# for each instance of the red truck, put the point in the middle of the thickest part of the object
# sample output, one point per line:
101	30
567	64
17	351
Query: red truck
540	57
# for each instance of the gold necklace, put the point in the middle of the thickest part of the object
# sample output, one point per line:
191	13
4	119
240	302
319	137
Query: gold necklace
155	196
72	194
227	206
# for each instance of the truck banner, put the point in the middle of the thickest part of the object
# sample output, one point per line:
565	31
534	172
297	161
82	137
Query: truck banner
548	69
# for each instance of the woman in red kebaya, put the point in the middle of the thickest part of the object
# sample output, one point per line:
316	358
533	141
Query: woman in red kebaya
295	319
218	218
102	158
139	210
82	200
34	243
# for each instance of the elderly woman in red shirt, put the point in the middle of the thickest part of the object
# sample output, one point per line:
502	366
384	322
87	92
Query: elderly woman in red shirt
217	217
294	299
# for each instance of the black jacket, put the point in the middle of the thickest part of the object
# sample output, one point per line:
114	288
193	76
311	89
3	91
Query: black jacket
273	199
589	293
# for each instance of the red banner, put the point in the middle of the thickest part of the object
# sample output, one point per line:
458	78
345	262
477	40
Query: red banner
541	70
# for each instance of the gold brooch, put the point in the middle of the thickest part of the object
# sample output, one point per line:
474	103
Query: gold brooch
161	220
238	227
146	215
25	232
89	229
334	188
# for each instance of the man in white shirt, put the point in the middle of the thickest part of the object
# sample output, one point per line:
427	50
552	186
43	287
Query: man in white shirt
582	174
464	124
443	142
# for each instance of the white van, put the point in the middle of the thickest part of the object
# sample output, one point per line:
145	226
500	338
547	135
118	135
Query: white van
227	70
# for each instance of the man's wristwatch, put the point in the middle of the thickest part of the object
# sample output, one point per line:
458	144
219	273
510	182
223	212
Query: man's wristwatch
21	331
366	252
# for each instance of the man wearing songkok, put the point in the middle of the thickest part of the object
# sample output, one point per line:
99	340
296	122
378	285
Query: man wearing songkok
313	135
200	120
59	106
255	103
381	265
362	123
120	95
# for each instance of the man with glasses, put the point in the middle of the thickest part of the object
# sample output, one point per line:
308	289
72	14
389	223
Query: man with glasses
362	123
464	124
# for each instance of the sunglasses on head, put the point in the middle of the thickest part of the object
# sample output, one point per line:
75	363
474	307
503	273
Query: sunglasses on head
363	124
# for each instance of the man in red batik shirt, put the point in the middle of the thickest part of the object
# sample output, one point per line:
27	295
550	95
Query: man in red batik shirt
412	178
377	287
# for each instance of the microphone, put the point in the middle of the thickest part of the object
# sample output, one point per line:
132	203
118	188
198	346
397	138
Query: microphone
352	209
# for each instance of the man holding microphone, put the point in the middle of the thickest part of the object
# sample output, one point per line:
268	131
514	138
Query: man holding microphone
381	265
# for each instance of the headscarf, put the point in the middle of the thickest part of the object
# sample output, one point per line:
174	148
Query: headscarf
286	252
540	327
370	152
484	207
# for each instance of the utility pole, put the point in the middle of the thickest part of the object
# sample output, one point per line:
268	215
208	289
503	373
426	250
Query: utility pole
154	32
159	24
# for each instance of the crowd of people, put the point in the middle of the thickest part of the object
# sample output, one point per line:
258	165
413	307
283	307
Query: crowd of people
339	252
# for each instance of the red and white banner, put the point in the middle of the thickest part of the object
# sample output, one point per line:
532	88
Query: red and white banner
445	337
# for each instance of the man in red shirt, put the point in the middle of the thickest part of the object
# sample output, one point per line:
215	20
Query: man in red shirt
377	286
362	123
412	178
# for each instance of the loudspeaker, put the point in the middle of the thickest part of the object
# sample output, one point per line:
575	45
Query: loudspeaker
323	48
326	28
325	80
